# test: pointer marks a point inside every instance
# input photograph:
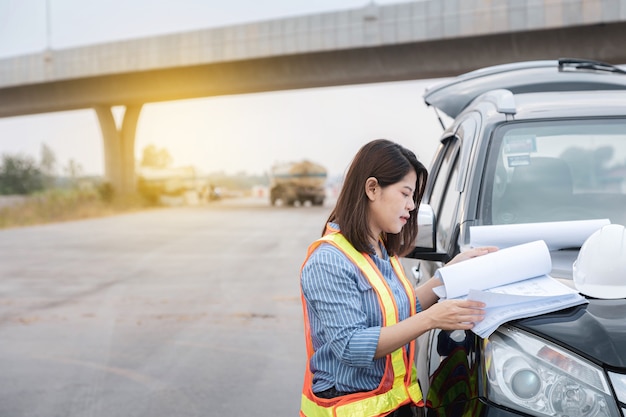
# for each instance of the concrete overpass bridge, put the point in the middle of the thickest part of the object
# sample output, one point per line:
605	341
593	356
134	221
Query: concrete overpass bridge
405	41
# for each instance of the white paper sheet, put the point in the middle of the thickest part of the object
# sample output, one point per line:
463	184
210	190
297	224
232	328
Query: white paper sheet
495	316
512	282
495	269
528	290
557	235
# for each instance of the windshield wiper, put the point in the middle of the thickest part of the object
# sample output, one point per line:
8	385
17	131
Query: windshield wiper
589	65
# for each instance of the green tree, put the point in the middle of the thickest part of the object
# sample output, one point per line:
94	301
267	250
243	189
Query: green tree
154	157
19	174
73	170
47	165
48	160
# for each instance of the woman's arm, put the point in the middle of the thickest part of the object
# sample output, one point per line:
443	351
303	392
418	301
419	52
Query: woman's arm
424	292
446	315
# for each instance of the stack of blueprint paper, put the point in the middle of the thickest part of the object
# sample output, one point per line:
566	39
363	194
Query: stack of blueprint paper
512	282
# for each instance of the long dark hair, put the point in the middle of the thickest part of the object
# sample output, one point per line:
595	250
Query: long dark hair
388	162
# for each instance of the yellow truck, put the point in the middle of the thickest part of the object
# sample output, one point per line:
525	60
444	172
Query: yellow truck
298	182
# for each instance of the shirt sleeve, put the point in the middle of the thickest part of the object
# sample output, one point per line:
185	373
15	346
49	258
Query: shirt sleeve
334	294
418	306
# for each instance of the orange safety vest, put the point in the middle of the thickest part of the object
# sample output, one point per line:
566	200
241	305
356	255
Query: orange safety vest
399	384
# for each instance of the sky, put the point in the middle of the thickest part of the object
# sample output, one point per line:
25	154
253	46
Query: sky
232	134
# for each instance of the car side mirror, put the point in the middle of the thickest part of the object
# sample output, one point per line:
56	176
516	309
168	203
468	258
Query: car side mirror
425	228
425	246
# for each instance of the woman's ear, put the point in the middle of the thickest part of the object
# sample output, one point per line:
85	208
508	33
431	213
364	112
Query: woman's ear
371	188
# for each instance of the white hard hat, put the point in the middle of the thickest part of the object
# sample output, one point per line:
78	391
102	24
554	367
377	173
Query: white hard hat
600	269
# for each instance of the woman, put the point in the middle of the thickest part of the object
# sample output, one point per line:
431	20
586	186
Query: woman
361	314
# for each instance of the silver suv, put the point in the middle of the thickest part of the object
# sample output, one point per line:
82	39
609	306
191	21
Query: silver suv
530	142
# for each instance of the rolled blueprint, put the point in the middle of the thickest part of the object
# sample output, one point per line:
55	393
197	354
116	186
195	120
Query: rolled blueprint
557	235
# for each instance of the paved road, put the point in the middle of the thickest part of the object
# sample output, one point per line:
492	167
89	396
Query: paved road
172	312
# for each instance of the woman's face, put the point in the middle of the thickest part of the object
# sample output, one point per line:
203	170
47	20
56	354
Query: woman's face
389	207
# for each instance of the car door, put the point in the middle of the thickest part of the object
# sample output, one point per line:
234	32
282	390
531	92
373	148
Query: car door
449	198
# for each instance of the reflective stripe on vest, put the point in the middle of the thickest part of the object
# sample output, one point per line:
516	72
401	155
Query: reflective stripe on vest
396	388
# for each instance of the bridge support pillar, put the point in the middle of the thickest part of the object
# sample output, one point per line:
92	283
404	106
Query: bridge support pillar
119	147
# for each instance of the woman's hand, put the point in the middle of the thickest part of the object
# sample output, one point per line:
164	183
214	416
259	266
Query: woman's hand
455	314
472	253
446	315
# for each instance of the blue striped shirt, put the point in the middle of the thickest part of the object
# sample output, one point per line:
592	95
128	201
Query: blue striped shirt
345	319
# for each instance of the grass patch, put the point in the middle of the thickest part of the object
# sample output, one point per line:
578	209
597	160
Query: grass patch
60	205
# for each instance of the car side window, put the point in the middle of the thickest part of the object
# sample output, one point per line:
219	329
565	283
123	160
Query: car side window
446	215
442	183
